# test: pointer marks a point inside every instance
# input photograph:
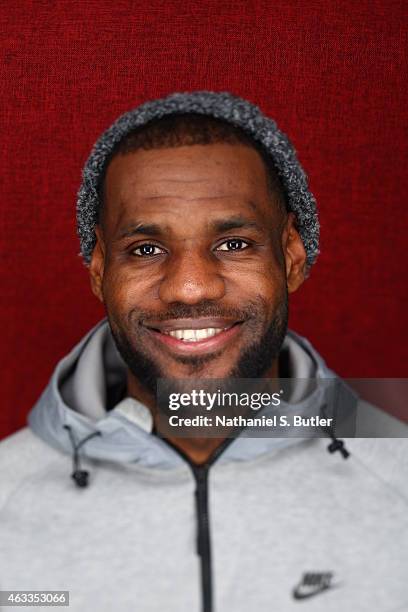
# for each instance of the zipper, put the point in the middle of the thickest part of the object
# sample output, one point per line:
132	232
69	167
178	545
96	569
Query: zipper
203	534
200	473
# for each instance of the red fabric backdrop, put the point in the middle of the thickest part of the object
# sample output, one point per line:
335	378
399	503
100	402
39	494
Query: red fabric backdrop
333	75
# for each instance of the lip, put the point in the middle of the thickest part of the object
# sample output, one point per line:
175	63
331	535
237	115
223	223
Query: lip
204	323
206	345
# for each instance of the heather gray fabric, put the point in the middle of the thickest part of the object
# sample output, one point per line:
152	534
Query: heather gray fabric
221	105
278	508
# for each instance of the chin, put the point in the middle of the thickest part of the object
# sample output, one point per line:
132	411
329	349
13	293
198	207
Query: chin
197	370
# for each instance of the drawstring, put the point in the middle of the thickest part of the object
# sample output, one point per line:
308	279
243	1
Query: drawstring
336	444
80	476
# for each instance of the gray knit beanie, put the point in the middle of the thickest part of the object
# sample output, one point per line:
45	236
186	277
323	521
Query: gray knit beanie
224	106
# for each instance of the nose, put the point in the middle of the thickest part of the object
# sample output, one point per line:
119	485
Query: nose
191	277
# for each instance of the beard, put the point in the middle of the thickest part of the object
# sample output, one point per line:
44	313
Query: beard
254	361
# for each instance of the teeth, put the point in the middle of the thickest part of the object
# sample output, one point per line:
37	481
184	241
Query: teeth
194	335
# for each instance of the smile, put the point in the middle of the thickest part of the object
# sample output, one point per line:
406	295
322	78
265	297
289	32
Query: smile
194	336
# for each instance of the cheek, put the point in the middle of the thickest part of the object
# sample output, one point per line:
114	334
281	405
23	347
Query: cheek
124	289
264	279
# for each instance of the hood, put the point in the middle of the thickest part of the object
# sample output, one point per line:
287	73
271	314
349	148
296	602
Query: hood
86	395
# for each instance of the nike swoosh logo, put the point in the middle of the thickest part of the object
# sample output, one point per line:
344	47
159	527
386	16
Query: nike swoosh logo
300	592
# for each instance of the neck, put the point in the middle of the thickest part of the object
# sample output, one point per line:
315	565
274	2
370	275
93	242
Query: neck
197	450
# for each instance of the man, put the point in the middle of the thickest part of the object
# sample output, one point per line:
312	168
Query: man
196	222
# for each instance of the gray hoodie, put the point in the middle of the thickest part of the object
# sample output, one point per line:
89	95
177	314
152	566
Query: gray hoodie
270	524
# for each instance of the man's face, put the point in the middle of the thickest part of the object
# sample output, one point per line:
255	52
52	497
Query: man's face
193	262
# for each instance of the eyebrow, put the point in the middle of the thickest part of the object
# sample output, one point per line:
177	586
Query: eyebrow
218	226
152	229
236	222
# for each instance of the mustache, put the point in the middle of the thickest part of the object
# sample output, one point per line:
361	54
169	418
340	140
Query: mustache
207	308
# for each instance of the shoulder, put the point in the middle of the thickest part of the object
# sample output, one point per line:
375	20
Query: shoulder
371	421
381	445
22	455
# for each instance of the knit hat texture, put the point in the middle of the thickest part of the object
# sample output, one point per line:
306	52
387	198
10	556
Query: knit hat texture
228	107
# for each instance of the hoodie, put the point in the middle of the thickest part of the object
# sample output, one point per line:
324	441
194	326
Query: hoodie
267	524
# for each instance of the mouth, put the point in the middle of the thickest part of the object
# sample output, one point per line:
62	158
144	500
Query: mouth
194	336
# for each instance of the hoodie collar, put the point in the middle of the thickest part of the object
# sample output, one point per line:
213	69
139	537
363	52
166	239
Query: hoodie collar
77	395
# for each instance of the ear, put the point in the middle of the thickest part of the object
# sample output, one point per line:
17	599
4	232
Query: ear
294	253
96	267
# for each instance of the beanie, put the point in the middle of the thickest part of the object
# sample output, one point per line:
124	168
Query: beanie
220	105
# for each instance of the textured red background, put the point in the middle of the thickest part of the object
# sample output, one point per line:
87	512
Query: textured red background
333	75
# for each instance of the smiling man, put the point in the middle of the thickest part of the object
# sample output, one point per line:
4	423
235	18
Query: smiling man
195	255
196	224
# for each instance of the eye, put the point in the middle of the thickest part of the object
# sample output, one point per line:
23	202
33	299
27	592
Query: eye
233	244
147	250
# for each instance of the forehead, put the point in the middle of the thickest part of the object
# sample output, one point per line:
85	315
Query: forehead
174	182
